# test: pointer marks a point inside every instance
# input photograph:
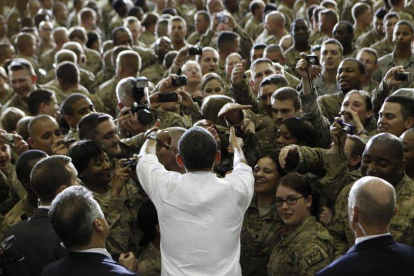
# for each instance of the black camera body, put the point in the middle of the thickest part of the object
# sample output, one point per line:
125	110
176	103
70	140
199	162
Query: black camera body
8	253
167	97
132	163
312	59
181	80
145	116
402	76
347	127
195	51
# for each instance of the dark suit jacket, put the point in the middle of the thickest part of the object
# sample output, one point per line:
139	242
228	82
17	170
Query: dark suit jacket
37	242
85	264
380	256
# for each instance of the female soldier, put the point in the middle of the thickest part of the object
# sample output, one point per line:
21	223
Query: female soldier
306	247
261	221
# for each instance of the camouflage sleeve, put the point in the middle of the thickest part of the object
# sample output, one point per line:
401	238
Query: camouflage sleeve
242	95
313	114
246	43
336	169
314	257
206	38
117	241
252	150
194	113
134	142
323	107
339	222
379	95
310	160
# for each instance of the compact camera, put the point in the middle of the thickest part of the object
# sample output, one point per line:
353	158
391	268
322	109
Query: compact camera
347	127
312	59
132	163
181	80
145	116
195	51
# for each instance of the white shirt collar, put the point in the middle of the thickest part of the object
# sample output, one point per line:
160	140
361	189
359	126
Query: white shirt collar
94	250
44	207
364	238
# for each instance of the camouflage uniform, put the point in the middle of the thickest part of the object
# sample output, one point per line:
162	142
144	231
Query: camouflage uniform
246	42
154	73
20	212
293	81
263	141
400	227
16	101
387	62
353	54
94	61
315	36
13	19
403	15
149	262
42	48
312	113
262	37
147	38
242	95
258	237
409	8
254	28
371	86
121	214
322	88
107	92
87	79
11	190
7	96
97	102
292	58
288	13
47	60
72	134
368	39
193	38
331	105
304	251
358	33
382	47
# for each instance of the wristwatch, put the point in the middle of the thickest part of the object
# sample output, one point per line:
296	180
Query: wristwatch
364	131
153	136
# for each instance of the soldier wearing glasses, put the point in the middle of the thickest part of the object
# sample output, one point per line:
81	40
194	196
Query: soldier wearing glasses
306	246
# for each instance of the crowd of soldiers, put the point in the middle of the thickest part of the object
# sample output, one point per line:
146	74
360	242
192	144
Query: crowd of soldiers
320	92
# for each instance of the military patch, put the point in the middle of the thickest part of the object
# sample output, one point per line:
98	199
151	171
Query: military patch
314	258
397	227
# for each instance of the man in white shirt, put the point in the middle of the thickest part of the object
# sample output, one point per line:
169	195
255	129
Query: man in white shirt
200	215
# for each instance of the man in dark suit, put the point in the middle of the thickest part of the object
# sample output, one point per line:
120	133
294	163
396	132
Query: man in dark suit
35	239
79	222
371	206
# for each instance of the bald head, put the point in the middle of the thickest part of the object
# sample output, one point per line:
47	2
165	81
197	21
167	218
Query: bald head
175	133
374	200
389	142
44	131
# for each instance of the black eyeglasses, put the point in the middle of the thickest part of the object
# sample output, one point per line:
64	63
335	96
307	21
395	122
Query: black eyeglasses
289	201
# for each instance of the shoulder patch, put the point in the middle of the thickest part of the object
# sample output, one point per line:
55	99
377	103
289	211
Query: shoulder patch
314	257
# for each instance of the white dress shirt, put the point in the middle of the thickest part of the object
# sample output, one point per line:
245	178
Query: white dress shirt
200	217
364	238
